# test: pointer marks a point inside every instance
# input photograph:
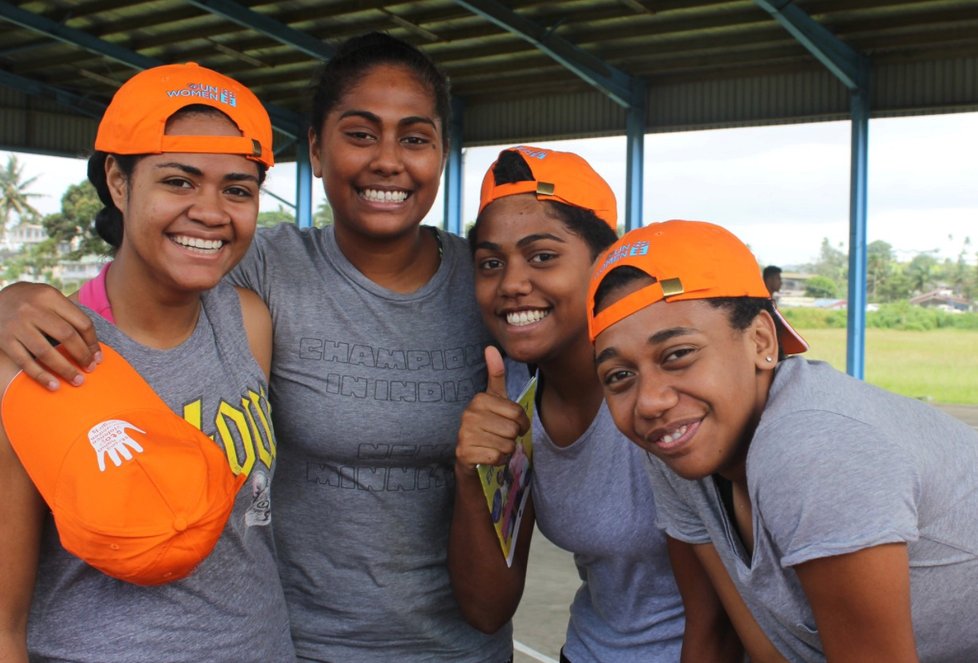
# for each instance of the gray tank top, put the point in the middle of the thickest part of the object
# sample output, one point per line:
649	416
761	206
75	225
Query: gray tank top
232	607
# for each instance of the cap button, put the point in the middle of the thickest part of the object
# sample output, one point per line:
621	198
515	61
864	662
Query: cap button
179	523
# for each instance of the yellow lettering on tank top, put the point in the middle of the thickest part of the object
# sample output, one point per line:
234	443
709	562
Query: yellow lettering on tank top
227	416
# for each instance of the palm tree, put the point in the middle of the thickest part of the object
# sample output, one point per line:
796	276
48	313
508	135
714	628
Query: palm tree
14	197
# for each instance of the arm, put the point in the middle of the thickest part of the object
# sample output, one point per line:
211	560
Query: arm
861	603
487	591
20	533
30	315
258	327
756	644
709	636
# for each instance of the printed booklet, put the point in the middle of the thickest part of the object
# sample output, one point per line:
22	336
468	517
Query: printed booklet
507	487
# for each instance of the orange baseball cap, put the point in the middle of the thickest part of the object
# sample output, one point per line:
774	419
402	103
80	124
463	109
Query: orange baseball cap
561	176
135	121
136	491
688	260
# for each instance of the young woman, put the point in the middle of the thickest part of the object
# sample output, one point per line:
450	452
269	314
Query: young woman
378	348
837	514
544	217
180	176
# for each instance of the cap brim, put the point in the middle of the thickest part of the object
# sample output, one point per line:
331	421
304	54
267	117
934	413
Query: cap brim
791	341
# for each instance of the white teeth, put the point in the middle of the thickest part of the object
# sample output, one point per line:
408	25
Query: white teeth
198	243
669	438
375	196
522	318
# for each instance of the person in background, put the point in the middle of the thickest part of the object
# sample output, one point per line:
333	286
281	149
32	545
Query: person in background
179	175
544	217
378	347
772	280
837	515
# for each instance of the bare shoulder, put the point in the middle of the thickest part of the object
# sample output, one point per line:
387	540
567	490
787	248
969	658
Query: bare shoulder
258	327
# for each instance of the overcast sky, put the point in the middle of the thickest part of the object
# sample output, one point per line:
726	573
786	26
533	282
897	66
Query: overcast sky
781	188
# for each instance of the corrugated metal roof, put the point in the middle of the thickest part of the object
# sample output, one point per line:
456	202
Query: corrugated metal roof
704	63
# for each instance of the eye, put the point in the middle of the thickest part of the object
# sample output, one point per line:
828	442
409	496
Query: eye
360	136
489	264
178	182
542	256
616	379
416	141
238	191
678	357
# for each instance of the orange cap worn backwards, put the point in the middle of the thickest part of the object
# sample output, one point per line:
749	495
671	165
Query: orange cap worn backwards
561	176
688	260
135	121
136	491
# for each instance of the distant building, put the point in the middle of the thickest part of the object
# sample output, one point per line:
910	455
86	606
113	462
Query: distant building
945	300
21	236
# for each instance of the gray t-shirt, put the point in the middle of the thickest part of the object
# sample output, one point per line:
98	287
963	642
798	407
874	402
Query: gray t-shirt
367	391
593	498
231	608
835	466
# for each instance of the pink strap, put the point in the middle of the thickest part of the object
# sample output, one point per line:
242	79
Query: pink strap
94	296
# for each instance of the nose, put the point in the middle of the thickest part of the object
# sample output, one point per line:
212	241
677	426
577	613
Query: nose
655	397
387	157
515	280
208	208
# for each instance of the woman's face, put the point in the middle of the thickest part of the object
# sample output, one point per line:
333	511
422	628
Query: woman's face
531	276
380	154
686	386
188	218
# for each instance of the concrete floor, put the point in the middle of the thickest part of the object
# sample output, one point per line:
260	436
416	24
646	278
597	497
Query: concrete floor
541	621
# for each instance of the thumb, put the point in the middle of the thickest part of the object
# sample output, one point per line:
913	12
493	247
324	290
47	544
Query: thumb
496	383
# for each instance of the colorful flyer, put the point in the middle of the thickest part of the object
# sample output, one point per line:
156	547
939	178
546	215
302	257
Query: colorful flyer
507	487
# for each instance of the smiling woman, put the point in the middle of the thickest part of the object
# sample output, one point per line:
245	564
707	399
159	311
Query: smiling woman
833	519
179	177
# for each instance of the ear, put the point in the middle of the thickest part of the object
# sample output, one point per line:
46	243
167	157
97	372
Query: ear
317	166
117	182
763	337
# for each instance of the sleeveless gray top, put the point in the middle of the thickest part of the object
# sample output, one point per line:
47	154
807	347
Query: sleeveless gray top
231	608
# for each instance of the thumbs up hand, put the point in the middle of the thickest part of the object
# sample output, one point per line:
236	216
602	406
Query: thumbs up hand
491	422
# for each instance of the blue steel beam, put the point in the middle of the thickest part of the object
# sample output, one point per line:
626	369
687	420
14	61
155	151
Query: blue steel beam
611	81
303	184
635	163
78	103
268	26
284	120
847	64
453	171
853	69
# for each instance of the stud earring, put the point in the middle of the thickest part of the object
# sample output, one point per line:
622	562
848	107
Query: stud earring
768	359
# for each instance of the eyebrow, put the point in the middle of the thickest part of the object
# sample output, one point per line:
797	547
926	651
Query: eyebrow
529	239
191	170
655	339
404	121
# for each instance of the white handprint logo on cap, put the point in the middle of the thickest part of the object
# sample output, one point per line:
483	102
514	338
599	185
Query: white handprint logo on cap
112	437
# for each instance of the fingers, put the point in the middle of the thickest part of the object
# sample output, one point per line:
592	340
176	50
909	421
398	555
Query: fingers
487	435
496	368
32	316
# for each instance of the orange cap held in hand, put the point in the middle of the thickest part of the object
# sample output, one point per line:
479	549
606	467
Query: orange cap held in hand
135	491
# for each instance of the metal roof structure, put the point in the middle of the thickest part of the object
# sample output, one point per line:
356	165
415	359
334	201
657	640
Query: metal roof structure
521	70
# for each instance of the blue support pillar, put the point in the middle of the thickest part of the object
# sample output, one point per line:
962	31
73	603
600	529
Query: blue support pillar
635	157
303	183
453	171
856	336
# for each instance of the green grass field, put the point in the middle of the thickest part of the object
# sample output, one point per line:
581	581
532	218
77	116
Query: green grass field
939	366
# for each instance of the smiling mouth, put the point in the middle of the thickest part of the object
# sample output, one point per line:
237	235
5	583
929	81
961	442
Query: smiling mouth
197	244
378	196
674	437
524	318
